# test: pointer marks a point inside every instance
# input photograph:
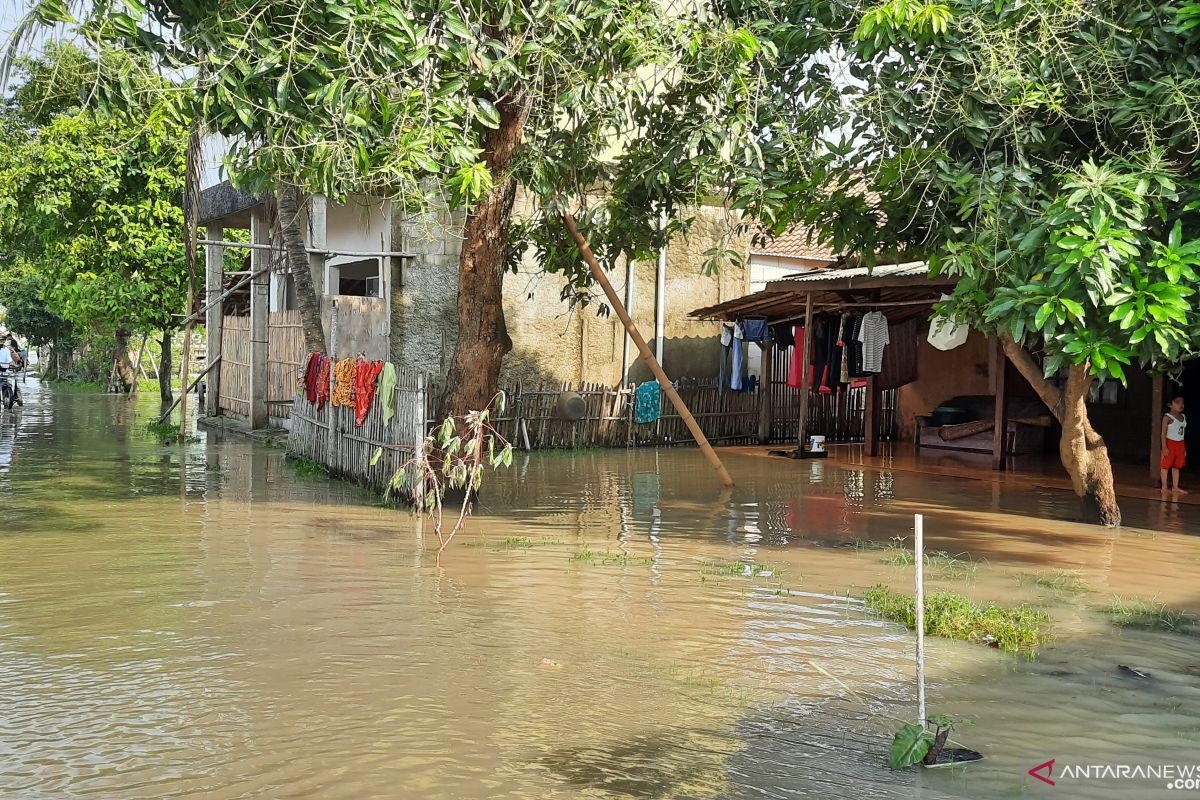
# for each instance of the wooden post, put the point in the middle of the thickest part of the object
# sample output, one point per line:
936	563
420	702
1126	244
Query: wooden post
1000	431
871	418
644	349
214	320
1157	406
805	356
191	217
260	298
766	409
331	415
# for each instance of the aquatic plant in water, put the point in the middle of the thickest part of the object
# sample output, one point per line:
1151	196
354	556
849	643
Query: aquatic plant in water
1149	615
1016	629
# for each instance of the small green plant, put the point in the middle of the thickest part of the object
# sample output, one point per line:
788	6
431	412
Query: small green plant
1149	615
452	458
1016	629
916	744
307	468
954	567
1061	581
168	433
606	558
738	568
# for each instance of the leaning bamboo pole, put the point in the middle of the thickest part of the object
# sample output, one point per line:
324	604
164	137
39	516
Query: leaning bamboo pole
191	217
667	387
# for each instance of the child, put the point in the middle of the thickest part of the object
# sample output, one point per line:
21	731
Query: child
1174	454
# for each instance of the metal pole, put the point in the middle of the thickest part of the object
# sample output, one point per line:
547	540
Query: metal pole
667	387
919	553
660	296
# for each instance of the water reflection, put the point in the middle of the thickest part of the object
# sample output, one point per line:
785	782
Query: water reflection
201	622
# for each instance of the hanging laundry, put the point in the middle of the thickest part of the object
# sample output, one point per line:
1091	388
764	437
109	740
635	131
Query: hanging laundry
856	348
874	338
343	383
900	359
312	369
795	377
738	368
726	335
823	344
756	330
783	336
647	405
846	326
387	390
323	373
366	373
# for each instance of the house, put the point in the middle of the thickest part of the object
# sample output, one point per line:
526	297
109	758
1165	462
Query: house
388	285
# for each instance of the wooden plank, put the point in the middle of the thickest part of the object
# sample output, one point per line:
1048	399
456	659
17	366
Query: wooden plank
1158	405
1000	431
805	372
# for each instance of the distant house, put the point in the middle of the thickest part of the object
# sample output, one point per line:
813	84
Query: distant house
388	287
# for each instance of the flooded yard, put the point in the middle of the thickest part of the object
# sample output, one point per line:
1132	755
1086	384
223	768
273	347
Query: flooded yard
208	623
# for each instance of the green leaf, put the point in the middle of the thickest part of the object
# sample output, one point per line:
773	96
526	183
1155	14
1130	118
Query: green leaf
910	746
376	456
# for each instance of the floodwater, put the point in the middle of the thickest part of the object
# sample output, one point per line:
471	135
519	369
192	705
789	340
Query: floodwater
206	623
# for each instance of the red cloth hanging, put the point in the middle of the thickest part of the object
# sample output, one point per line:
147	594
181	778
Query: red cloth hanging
311	371
366	374
323	376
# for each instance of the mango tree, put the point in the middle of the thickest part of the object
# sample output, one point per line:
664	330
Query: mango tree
621	112
1045	154
91	203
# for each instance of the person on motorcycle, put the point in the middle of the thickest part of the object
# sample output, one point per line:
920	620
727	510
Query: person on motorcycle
10	361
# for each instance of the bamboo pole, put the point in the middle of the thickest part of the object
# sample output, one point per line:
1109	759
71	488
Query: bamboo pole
805	372
646	353
167	414
191	215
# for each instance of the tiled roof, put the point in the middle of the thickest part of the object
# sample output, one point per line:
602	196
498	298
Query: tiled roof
799	241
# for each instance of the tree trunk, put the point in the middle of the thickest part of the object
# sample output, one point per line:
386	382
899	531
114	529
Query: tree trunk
288	203
474	374
164	369
1083	451
123	378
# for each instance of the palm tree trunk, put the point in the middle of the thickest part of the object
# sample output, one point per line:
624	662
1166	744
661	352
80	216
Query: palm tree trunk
288	202
164	369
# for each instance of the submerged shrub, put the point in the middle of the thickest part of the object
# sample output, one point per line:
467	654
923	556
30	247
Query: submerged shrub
1149	615
1016	629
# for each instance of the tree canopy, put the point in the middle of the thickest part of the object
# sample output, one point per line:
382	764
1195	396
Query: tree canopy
90	203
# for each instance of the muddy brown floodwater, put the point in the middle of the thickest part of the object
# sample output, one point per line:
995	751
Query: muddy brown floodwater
206	623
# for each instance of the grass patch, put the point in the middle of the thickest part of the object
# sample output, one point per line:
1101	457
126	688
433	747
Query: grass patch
168	433
607	558
1149	615
1015	629
946	565
82	387
740	569
1061	581
863	545
307	468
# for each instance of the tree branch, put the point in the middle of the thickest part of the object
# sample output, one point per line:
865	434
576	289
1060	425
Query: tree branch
1032	372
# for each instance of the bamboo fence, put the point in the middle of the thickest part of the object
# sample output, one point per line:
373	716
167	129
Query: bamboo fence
235	365
285	360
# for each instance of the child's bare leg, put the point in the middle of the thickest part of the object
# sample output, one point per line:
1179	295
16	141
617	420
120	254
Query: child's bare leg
1175	480
1162	482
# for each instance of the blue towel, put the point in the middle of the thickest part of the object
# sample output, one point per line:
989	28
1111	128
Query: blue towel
739	365
756	330
647	402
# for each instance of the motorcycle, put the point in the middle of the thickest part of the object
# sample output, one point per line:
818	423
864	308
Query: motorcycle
10	393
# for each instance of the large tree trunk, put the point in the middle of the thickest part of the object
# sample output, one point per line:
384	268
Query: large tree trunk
288	203
123	377
164	370
1082	450
474	374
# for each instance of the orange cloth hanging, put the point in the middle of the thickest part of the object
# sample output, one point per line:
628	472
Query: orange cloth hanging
323	370
343	383
366	373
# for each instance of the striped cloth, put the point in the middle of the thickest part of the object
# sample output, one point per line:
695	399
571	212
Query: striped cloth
874	338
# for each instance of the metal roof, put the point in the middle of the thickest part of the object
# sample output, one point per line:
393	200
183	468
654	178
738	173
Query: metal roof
906	288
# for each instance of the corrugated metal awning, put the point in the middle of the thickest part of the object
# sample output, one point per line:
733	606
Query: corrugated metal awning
905	287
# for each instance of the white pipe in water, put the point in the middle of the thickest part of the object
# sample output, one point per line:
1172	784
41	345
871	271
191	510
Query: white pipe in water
919	552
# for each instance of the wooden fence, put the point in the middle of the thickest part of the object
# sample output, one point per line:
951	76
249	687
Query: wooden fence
330	436
235	365
531	421
285	360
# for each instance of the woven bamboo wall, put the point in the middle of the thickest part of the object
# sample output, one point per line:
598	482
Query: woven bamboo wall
235	365
285	361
